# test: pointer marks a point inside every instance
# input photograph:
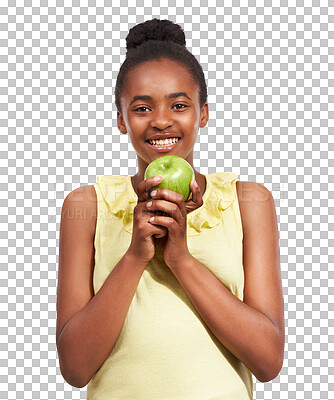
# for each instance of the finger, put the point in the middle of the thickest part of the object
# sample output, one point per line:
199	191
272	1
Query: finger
196	200
169	223
168	195
159	231
173	197
167	208
194	190
145	185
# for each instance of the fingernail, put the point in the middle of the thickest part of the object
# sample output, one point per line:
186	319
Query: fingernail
149	204
153	193
195	184
157	178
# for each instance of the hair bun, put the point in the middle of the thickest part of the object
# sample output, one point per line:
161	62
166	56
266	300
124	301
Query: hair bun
155	29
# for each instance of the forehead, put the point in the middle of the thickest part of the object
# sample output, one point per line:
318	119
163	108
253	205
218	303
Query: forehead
159	77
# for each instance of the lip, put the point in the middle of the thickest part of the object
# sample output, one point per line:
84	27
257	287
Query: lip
163	149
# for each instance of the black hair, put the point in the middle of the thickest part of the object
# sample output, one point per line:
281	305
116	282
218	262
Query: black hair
154	40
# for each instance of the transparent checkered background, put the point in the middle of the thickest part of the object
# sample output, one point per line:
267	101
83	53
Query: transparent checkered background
270	73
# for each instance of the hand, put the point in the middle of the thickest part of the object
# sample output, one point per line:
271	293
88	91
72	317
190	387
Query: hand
174	244
142	244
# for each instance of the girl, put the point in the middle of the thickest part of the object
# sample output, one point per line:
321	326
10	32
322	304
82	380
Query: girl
189	304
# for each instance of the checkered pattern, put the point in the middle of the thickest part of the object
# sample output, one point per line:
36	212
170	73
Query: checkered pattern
270	73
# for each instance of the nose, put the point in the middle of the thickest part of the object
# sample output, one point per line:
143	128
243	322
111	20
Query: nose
162	118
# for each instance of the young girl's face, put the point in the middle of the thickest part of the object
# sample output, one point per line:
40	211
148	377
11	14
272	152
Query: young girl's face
160	98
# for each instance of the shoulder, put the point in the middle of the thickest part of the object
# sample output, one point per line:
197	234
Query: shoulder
81	204
255	202
85	195
252	191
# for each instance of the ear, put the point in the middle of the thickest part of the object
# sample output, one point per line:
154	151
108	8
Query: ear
120	123
204	115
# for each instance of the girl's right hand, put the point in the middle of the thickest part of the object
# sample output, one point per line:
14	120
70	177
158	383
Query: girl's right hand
142	245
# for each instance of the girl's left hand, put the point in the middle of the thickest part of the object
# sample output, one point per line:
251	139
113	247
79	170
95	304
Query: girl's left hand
174	244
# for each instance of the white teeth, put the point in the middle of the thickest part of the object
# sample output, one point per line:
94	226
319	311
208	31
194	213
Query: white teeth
164	142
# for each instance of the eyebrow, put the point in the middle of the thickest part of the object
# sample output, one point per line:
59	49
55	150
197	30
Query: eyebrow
170	96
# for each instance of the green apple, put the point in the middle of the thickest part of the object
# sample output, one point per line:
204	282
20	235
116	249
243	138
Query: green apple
176	174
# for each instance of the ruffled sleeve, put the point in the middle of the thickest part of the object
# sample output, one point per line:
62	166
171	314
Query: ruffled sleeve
119	197
219	195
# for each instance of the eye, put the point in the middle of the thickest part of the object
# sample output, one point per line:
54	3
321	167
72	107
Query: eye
140	108
183	106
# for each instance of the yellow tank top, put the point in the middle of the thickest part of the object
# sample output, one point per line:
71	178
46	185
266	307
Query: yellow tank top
165	350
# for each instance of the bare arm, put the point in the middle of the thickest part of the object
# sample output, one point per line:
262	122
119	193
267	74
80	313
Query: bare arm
253	329
88	326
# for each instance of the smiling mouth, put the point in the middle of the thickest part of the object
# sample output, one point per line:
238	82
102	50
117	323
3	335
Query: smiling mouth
164	142
163	146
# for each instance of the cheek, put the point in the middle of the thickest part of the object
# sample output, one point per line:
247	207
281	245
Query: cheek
136	125
190	121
